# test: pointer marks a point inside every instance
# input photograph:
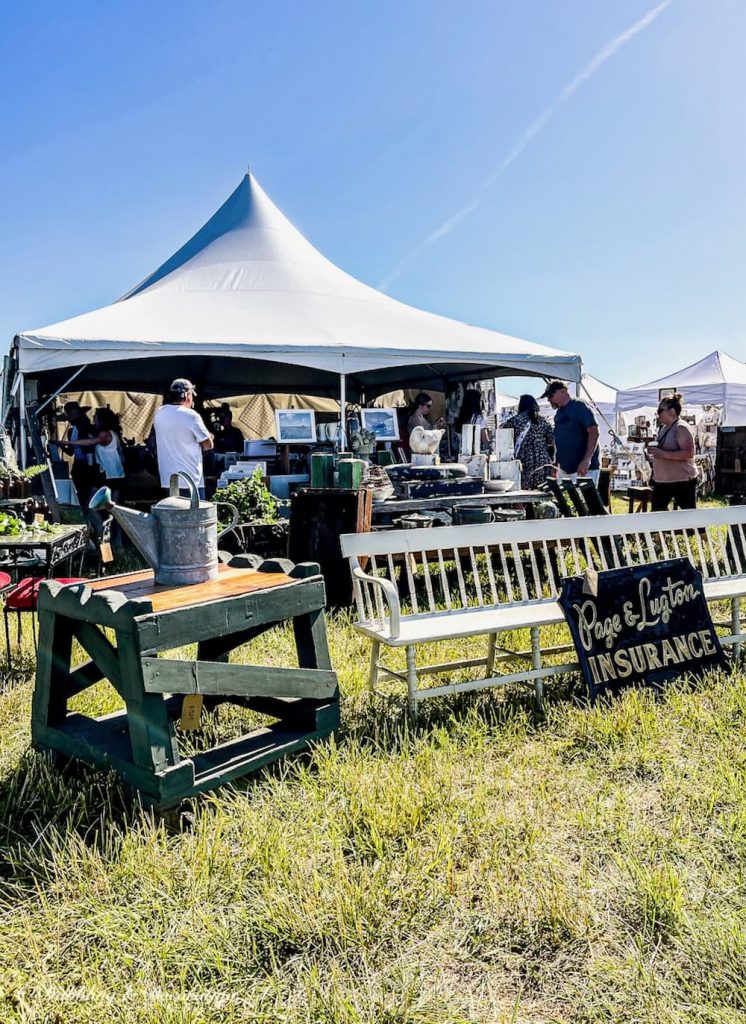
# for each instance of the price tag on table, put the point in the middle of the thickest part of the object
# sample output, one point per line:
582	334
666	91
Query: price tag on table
191	709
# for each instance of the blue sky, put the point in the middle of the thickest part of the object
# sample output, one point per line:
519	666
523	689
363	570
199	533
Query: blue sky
619	231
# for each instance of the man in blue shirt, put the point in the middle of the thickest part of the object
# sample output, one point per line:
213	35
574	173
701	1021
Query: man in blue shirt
575	433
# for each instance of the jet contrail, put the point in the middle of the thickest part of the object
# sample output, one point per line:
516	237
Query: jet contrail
605	53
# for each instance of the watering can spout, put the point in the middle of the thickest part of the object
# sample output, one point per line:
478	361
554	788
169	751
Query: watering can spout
140	527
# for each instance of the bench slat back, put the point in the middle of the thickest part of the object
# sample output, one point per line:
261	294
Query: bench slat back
449	568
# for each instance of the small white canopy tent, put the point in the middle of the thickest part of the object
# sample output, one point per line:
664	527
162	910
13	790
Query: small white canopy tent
718	379
248	305
603	397
505	405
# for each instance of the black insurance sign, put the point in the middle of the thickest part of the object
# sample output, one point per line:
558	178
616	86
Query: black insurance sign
644	625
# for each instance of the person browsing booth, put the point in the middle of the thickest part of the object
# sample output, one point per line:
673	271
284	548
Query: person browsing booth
181	436
84	474
575	433
227	437
423	403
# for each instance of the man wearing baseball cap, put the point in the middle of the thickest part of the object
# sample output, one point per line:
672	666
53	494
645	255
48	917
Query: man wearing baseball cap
181	436
84	472
575	433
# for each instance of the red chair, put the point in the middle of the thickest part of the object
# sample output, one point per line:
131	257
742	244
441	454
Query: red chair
24	597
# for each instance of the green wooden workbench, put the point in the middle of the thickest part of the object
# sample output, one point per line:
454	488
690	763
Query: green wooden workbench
141	742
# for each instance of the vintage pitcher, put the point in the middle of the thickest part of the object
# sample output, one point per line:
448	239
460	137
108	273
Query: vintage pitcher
179	537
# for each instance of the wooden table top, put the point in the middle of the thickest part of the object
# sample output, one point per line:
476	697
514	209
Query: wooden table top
164	597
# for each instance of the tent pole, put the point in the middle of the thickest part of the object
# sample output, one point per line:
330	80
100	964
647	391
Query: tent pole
48	483
342	444
59	390
22	421
445	416
614	433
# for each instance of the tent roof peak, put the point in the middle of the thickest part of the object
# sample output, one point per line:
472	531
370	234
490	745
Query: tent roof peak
249	285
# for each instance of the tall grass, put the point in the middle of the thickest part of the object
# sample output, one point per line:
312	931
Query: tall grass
479	867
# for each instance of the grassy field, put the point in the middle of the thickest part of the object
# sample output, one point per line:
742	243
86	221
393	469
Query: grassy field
481	867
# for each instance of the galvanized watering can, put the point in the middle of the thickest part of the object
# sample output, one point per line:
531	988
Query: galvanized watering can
179	537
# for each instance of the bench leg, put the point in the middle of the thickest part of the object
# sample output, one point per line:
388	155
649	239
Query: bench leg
536	663
491	645
735	618
374	655
411	683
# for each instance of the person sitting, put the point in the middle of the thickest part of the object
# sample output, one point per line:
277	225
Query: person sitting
227	438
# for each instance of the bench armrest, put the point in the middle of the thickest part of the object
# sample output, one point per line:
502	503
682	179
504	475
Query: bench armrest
361	579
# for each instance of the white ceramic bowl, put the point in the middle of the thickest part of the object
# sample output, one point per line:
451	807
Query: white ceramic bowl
501	486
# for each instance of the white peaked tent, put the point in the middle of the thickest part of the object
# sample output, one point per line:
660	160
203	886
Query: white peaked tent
248	305
603	397
718	379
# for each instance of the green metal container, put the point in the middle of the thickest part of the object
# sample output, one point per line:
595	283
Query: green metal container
322	470
350	473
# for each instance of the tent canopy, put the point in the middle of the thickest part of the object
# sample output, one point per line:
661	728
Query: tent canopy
248	305
718	379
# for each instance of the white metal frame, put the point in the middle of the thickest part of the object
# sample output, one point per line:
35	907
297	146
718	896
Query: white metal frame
367	414
309	438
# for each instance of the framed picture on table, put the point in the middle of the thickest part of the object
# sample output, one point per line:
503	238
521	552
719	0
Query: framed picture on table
381	422
295	426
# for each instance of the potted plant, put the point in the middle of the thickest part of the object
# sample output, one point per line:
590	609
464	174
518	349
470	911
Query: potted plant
260	528
15	482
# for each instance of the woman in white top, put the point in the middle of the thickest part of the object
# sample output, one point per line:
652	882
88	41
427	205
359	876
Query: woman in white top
107	449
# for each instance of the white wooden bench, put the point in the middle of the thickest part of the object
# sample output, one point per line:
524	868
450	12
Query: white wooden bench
414	587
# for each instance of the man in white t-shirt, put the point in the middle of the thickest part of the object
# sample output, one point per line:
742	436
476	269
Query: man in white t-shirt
181	436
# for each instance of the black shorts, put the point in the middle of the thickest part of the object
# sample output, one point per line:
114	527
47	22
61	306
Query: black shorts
683	493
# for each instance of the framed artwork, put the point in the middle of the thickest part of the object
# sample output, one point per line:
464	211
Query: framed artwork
666	393
381	422
295	426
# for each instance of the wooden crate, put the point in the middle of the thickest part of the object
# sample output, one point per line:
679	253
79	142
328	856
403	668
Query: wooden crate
730	464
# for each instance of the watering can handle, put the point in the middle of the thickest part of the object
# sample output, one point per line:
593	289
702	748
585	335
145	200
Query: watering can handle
235	517
173	488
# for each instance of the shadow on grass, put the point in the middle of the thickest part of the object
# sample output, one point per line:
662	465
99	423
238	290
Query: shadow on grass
381	720
43	800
